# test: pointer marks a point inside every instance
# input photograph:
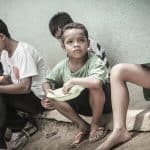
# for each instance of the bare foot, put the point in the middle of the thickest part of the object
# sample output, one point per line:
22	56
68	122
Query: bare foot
79	137
117	137
97	134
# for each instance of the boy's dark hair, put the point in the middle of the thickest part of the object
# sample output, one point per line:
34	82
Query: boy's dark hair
4	29
74	25
59	20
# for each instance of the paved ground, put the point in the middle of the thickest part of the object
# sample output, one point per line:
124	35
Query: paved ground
57	136
54	135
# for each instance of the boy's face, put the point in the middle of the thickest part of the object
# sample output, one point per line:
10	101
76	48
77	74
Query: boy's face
2	39
75	43
58	33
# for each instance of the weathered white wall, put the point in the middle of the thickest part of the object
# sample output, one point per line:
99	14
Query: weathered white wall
120	26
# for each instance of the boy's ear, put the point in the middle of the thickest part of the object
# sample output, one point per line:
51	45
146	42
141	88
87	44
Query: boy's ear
62	45
2	36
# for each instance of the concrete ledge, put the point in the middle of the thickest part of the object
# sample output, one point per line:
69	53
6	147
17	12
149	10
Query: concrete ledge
136	119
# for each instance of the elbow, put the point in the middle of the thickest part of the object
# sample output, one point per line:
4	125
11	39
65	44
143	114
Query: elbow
96	84
25	89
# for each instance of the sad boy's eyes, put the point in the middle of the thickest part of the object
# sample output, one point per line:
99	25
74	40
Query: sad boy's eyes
80	40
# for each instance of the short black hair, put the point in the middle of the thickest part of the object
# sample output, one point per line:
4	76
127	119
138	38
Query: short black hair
74	25
59	20
4	29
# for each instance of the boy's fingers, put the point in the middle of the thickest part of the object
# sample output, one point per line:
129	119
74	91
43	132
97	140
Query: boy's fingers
51	91
65	90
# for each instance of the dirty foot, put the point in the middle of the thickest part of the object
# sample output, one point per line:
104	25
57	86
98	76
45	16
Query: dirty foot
97	134
79	137
117	137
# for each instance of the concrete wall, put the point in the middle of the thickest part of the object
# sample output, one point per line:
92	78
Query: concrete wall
120	26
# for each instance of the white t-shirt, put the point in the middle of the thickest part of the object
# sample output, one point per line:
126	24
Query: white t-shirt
25	62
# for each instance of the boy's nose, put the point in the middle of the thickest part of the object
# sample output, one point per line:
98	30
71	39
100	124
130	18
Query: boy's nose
76	43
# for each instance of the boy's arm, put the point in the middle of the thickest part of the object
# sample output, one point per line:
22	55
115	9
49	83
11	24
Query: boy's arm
45	102
46	87
24	86
86	82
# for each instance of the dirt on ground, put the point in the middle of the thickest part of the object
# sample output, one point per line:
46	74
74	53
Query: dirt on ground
54	135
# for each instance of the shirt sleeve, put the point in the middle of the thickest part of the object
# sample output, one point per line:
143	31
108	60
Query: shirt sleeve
27	65
4	63
98	69
55	77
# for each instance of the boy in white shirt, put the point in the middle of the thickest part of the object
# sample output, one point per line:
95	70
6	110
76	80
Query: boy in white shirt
21	82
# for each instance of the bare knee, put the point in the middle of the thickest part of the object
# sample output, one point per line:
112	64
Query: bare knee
119	72
97	92
97	86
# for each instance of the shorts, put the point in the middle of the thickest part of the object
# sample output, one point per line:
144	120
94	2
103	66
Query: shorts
147	65
81	103
146	91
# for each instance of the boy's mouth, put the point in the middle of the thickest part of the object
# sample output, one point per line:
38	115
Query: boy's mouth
77	51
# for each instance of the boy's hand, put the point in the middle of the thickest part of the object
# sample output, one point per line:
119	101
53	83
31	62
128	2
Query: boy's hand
46	103
2	79
50	91
67	86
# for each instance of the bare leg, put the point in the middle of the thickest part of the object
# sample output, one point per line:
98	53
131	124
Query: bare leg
83	126
121	74
97	99
68	112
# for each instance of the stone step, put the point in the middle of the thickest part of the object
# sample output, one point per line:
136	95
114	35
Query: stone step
137	119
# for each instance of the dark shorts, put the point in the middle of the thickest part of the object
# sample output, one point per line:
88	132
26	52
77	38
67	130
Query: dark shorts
10	104
146	93
81	103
